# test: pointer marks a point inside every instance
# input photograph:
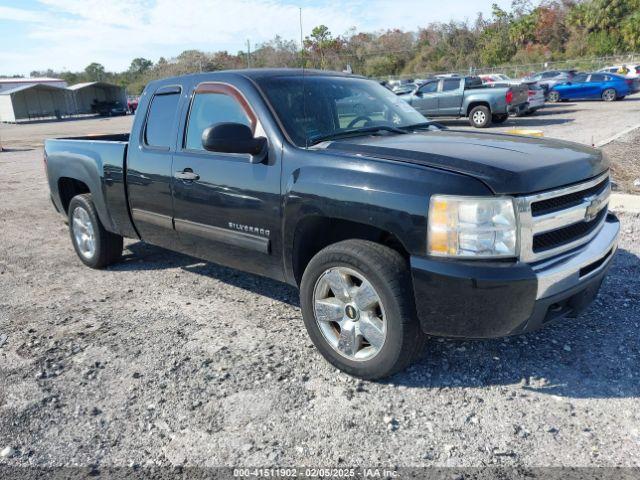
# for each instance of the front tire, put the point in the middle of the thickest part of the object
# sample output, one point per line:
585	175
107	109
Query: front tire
554	97
96	247
480	117
357	305
609	95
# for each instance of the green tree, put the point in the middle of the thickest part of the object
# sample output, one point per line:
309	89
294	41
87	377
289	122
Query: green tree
321	44
140	65
94	72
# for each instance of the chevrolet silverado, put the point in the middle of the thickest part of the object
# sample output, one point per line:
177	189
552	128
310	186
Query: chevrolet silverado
392	227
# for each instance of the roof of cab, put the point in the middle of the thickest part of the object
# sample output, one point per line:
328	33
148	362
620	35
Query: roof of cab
253	74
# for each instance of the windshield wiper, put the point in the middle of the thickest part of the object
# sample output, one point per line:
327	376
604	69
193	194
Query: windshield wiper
355	132
418	126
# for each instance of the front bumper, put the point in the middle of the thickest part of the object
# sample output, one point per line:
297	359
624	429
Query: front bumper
493	299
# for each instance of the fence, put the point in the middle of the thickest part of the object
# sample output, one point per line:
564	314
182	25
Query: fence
520	70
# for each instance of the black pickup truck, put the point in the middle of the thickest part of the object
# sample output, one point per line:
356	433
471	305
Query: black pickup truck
392	227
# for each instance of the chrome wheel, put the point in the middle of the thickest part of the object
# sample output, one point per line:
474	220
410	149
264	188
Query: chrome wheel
554	97
479	117
609	95
83	232
349	313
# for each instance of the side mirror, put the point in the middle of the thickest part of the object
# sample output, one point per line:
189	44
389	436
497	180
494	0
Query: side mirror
234	138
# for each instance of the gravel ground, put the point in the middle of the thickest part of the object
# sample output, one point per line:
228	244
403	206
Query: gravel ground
165	360
625	155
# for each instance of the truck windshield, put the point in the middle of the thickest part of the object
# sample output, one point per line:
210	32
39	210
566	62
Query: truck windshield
335	106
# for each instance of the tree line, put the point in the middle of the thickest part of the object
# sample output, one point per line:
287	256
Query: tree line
526	33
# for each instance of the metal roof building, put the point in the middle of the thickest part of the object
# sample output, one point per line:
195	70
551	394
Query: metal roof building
11	83
35	101
88	94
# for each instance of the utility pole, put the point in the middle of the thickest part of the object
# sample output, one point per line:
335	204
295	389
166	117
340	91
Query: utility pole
248	53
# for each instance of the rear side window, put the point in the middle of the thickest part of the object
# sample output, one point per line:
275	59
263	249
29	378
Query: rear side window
598	77
451	84
208	109
159	129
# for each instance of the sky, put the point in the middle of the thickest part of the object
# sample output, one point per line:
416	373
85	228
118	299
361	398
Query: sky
70	34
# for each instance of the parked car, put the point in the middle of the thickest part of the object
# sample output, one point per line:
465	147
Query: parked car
467	97
633	75
132	104
391	227
549	79
633	70
495	78
607	86
406	88
395	85
535	95
110	109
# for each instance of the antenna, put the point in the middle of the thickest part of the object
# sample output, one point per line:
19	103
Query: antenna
304	93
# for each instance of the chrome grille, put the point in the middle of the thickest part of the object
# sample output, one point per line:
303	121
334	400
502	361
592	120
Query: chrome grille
560	220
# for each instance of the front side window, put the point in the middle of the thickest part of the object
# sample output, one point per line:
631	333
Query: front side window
580	78
162	113
430	87
210	108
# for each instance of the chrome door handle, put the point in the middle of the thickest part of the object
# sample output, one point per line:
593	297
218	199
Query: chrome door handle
187	174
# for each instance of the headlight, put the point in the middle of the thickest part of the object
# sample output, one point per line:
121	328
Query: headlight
471	227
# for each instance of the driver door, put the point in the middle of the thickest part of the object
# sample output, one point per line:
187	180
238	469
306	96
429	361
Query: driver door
450	99
577	87
425	100
226	208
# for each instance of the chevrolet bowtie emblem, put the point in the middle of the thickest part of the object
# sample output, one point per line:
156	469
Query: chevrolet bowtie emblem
592	209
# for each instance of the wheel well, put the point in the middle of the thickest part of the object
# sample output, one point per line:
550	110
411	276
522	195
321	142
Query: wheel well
69	188
315	233
473	105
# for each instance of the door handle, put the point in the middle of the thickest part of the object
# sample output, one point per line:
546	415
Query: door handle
187	174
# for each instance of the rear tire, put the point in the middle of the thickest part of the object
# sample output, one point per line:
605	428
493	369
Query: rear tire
480	117
96	247
609	95
381	334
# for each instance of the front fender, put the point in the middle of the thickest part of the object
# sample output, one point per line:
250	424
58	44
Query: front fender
387	195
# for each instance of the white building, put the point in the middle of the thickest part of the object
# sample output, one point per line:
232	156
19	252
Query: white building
35	101
24	99
11	83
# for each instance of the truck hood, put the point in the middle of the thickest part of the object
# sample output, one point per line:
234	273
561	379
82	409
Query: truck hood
508	164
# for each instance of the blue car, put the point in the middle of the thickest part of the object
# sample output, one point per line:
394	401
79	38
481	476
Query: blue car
607	86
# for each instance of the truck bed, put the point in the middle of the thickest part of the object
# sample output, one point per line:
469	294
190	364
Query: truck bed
97	163
109	137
